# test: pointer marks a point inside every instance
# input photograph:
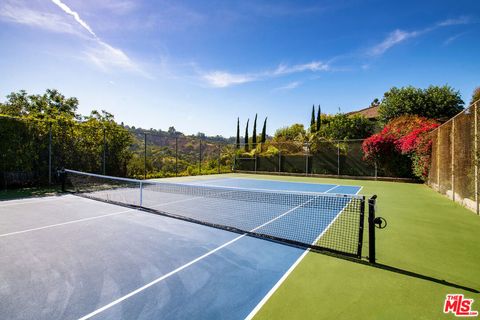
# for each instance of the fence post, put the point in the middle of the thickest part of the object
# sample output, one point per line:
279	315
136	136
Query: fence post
104	151
50	154
145	155
452	139
475	106
200	156
176	156
279	161
338	158
438	159
376	170
219	158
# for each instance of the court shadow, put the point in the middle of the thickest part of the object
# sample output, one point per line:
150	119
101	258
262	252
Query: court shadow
401	271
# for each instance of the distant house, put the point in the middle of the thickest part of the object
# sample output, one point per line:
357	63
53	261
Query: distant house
370	113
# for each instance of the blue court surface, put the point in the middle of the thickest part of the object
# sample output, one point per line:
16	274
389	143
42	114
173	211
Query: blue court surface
68	257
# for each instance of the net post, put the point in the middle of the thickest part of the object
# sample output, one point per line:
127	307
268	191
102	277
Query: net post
63	177
371	229
141	194
475	146
452	139
50	153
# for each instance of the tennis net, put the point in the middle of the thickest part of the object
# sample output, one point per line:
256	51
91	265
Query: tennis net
320	221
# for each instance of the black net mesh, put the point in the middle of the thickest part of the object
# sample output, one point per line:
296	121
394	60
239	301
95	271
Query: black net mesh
317	220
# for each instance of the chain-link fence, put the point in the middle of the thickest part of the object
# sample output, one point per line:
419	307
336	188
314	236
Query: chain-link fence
31	151
341	158
454	162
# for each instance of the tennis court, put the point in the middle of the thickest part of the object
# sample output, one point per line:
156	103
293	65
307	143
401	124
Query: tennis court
73	257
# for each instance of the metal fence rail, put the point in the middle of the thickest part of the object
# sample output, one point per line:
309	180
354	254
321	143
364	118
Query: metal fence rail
337	157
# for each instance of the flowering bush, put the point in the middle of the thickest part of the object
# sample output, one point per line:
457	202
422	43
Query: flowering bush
405	135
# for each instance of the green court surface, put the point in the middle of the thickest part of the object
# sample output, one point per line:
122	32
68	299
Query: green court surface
430	248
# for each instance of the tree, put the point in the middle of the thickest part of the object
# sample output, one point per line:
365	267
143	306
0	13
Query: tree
294	132
475	95
264	131
375	103
246	135
312	119
434	102
319	118
254	134
238	133
342	126
171	131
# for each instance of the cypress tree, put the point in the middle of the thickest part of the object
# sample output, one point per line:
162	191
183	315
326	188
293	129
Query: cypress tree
246	135
319	118
238	133
312	119
254	134
264	131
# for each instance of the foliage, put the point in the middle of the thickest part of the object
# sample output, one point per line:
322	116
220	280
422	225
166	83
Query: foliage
434	102
295	132
312	120
246	136
264	131
319	119
254	134
342	126
237	141
475	95
404	136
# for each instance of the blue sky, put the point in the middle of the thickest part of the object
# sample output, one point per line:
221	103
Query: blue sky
197	65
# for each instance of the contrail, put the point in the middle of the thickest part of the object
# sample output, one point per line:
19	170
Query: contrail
75	15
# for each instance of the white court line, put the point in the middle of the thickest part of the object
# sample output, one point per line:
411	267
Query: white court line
113	303
63	223
290	270
331	189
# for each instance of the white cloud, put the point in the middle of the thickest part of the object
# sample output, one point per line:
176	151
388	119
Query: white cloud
44	20
222	79
97	52
394	38
398	36
455	21
289	86
312	66
75	15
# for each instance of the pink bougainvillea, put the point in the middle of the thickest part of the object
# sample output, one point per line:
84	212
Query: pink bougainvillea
407	135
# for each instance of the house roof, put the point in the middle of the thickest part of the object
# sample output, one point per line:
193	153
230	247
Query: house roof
369	112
